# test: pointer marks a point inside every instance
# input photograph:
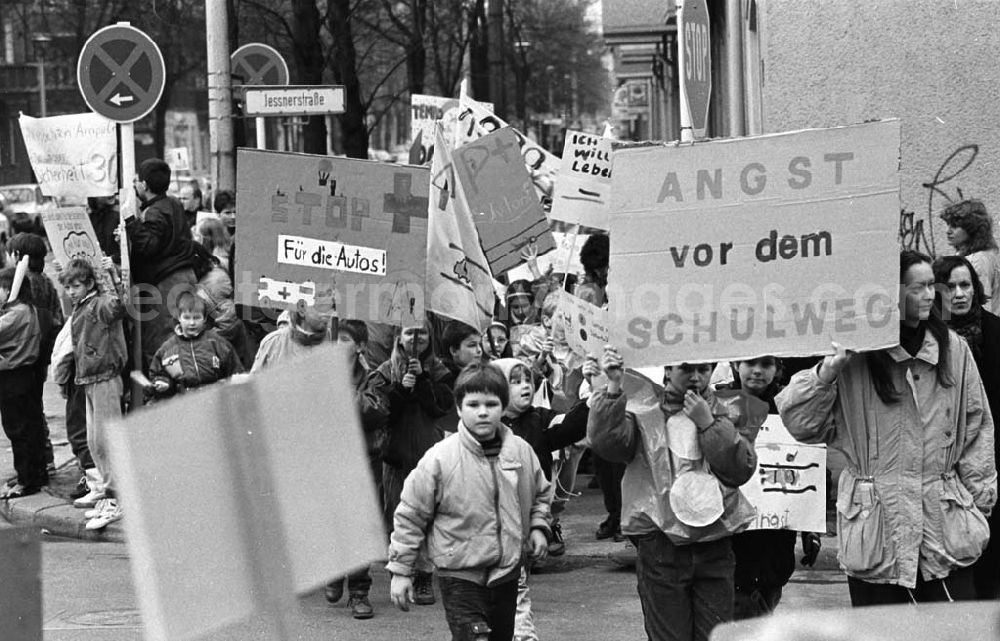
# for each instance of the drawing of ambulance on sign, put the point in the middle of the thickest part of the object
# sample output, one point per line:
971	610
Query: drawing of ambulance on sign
278	293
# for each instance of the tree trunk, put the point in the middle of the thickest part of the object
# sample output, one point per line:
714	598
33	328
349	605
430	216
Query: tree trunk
479	66
416	55
352	121
308	52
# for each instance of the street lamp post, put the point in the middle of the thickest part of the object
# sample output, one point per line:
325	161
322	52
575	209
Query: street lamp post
39	40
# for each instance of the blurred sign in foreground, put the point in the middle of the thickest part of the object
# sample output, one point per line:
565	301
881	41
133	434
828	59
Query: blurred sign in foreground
241	495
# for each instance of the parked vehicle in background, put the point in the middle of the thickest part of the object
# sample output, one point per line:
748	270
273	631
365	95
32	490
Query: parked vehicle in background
27	199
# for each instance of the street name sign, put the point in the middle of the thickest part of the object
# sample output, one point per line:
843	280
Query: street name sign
258	64
120	73
293	100
696	63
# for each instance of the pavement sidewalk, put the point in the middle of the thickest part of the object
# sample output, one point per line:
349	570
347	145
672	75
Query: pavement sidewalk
52	510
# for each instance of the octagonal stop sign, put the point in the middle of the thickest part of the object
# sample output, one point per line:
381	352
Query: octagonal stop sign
697	62
120	73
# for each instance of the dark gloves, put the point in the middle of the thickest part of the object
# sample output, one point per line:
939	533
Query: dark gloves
810	547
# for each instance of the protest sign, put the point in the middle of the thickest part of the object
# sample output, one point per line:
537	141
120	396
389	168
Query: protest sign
72	235
424	112
565	258
582	193
503	202
237	456
21	588
459	282
335	233
788	490
774	244
476	121
586	326
74	155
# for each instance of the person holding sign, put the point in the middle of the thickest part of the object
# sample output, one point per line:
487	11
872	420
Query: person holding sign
765	559
961	302
914	424
681	502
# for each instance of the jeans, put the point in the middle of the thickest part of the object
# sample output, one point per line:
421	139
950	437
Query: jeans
76	424
21	415
957	586
685	590
609	475
103	406
467	603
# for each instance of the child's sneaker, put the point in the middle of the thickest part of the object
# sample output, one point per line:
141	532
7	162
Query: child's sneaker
94	511
90	499
112	512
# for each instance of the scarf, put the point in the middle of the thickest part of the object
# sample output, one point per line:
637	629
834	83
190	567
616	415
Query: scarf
970	327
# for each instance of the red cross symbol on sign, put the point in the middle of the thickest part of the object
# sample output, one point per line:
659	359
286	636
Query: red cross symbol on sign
120	73
403	205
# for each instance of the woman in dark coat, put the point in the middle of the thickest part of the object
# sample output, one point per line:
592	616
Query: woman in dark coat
960	299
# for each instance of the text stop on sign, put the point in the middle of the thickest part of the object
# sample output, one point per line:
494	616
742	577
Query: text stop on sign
696	61
696	46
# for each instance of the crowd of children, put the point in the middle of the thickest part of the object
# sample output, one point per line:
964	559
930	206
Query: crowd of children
473	438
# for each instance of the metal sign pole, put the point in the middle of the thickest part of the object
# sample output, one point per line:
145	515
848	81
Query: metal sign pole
261	132
127	207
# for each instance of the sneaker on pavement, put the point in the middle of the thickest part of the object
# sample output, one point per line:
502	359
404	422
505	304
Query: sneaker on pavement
557	546
89	499
80	490
361	607
423	588
94	511
112	512
334	591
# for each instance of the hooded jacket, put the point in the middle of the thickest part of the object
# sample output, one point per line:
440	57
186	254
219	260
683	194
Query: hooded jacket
187	362
639	439
475	511
539	427
920	472
412	422
288	341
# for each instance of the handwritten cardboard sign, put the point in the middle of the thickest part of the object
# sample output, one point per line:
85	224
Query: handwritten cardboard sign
475	121
219	527
582	193
788	491
73	155
585	325
335	233
72	235
775	244
502	199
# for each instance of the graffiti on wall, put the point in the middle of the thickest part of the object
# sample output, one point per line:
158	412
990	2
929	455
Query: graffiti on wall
942	190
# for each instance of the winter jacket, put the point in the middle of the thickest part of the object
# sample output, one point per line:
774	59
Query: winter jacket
185	362
920	472
374	415
639	438
161	242
98	338
288	341
987	266
216	289
413	414
476	511
20	337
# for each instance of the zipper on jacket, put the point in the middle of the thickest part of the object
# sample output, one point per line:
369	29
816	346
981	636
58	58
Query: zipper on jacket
194	357
496	506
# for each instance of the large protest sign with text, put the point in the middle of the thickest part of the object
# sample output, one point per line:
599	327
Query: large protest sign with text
788	490
502	199
331	233
74	155
71	235
775	244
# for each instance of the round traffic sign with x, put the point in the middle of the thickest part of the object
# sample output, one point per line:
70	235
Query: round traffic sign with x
258	64
121	73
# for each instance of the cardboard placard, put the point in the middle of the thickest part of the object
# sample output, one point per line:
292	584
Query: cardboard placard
788	490
238	457
459	282
476	121
21	588
585	325
775	244
335	233
566	253
71	235
582	194
500	194
74	155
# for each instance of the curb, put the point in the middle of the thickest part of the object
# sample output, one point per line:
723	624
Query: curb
55	517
